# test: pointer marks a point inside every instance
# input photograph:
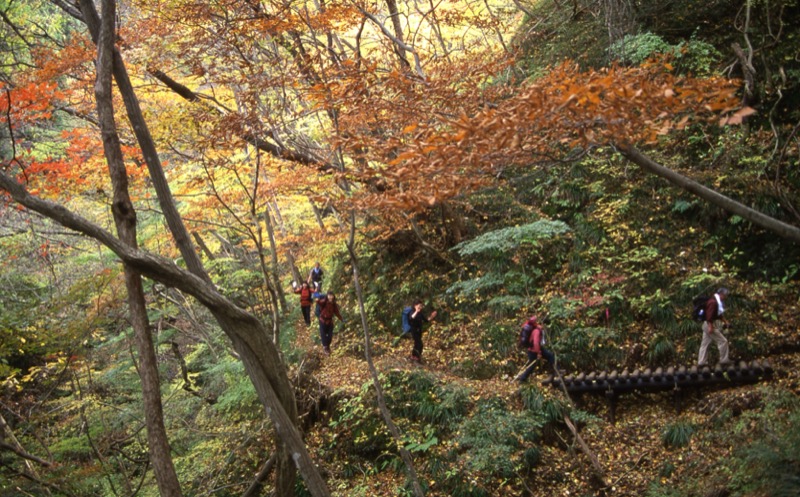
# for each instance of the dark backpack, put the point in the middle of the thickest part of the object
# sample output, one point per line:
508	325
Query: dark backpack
406	314
699	310
525	336
317	310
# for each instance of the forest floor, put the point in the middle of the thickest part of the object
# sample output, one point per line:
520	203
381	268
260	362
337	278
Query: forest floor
631	452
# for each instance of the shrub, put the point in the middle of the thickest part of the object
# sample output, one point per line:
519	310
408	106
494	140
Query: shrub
677	434
635	49
771	464
416	395
493	438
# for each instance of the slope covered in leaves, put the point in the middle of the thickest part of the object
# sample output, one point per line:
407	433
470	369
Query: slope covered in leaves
488	197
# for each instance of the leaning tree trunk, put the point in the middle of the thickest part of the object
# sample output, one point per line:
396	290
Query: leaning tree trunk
261	358
125	220
248	335
405	455
769	223
619	19
274	259
272	209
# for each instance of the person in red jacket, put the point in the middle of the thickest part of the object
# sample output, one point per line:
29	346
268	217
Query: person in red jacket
328	308
712	329
536	348
306	299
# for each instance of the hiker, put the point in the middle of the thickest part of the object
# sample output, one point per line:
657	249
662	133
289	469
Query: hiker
415	320
315	277
713	325
306	299
533	336
327	309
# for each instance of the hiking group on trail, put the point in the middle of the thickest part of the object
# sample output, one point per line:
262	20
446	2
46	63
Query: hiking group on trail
532	336
326	307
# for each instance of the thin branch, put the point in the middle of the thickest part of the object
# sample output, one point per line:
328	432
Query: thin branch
405	455
399	43
21	453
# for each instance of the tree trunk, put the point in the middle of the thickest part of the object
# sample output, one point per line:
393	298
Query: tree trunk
260	356
318	215
453	222
273	209
149	151
405	455
274	255
425	245
248	335
768	223
125	220
202	244
398	31
619	19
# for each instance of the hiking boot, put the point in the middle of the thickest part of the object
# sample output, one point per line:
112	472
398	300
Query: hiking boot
327	350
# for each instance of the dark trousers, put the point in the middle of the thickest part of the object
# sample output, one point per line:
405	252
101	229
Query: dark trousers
325	333
549	357
306	314
417	350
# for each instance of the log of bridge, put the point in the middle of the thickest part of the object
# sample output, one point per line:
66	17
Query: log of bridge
675	379
660	379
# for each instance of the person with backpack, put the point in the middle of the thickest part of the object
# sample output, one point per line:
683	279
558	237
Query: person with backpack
416	319
315	277
328	308
404	324
713	324
532	339
306	299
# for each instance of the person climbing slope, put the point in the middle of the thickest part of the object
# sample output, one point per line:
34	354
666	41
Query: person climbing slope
328	308
306	299
532	335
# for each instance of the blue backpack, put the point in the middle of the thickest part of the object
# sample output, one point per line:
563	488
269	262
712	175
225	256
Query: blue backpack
406	315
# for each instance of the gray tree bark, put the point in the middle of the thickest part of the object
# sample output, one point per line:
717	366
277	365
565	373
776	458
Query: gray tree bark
405	455
768	223
248	335
125	220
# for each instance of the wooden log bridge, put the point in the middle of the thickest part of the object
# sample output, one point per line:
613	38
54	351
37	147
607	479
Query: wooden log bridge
675	379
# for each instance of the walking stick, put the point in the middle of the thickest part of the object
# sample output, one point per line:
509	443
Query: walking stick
397	340
519	373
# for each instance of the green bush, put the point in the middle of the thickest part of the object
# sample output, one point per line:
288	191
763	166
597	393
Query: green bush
494	439
418	396
693	56
635	49
677	434
770	465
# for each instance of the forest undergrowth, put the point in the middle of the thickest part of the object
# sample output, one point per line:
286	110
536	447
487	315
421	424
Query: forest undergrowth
653	449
